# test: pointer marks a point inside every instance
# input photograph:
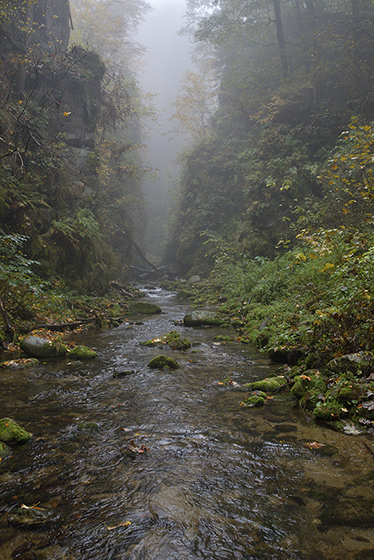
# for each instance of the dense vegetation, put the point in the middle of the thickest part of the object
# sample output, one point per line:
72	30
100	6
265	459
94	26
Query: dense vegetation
70	173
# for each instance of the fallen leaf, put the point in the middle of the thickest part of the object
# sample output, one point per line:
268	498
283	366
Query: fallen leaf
124	524
314	445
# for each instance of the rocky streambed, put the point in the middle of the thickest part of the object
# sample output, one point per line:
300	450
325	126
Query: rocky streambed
130	462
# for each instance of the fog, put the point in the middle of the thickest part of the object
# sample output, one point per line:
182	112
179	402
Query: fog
166	60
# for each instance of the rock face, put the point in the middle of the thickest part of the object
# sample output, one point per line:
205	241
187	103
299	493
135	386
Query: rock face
202	319
12	433
38	347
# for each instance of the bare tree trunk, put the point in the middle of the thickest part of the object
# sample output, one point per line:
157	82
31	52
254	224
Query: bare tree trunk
280	37
8	325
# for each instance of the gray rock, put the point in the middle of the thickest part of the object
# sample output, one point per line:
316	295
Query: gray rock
360	361
38	347
202	318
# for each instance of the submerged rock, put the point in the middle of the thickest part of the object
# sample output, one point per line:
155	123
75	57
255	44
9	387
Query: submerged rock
32	517
163	362
38	347
82	353
12	433
5	451
173	339
144	308
202	318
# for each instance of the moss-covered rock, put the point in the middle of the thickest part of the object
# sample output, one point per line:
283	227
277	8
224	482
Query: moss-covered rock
253	401
202	319
328	410
144	308
88	427
354	363
12	433
269	385
82	353
173	339
163	362
43	348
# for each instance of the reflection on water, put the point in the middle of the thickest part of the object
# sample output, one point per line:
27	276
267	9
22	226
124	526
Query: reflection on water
171	466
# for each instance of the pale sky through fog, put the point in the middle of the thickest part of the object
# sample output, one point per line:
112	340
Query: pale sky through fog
166	60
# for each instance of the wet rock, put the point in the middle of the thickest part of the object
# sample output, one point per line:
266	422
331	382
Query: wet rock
21	363
32	517
348	512
5	451
269	385
184	294
173	339
82	353
354	363
88	427
202	318
328	410
253	401
12	433
144	308
38	347
119	374
286	354
163	362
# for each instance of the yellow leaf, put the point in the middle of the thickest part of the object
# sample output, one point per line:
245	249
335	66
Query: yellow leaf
327	266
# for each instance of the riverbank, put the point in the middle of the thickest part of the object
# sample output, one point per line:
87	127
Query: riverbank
310	309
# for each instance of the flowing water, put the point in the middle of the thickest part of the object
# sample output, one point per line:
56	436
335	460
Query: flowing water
176	468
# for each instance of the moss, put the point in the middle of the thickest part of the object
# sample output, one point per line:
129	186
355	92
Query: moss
328	410
161	362
144	308
88	427
12	433
223	338
82	353
254	400
269	385
173	339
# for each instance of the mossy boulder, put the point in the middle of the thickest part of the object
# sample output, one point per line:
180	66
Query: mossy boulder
354	363
43	348
163	362
269	385
82	353
144	308
203	319
328	410
309	388
179	343
12	433
254	401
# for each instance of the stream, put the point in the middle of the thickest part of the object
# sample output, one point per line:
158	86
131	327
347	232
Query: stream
175	469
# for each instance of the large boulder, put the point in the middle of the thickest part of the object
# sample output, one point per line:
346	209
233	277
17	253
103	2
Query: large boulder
38	347
203	319
12	433
268	385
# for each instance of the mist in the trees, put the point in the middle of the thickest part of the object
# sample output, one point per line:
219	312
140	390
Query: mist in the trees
166	60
